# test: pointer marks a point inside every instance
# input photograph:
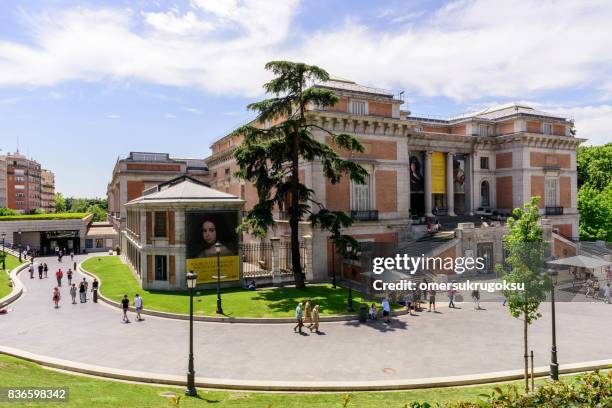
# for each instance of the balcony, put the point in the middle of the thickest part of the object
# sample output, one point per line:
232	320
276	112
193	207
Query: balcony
369	215
554	210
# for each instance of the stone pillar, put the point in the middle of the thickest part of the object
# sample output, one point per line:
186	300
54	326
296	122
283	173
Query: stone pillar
308	258
428	197
469	184
450	187
276	276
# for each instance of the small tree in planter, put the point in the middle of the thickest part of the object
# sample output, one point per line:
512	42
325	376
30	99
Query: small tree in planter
525	247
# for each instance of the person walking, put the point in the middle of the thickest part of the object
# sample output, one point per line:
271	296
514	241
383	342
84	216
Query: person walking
298	318
432	300
86	287
56	297
40	270
73	292
94	289
451	298
45	270
315	320
607	294
82	291
72	255
386	310
138	306
31	270
69	276
125	304
59	256
476	299
408	301
308	313
59	275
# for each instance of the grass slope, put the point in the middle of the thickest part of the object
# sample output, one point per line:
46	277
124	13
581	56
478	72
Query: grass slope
11	262
93	392
118	280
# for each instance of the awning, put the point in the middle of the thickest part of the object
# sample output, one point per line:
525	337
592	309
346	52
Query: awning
581	261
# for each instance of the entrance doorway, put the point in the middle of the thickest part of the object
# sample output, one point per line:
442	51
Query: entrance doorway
485	251
67	241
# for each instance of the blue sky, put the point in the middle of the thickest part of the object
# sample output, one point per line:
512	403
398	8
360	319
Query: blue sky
82	83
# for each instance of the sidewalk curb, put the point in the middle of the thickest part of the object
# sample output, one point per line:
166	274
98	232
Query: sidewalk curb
302	386
212	319
18	286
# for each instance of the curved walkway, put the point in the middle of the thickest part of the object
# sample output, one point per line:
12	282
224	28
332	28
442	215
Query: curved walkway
413	351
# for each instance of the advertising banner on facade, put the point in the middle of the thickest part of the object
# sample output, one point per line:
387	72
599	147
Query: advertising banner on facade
459	174
438	173
202	230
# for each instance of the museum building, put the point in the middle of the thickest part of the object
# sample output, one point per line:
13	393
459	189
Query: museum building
467	172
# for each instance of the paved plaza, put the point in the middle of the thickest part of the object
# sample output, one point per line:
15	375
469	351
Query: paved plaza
449	343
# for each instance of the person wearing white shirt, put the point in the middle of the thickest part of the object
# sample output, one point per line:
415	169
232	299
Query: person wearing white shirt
138	306
386	309
607	294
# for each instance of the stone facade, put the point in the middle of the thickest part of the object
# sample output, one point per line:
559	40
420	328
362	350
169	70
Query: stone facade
48	191
141	171
487	162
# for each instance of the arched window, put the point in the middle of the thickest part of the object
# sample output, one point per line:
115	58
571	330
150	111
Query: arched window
484	194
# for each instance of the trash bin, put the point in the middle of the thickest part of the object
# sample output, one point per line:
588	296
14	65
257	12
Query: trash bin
363	313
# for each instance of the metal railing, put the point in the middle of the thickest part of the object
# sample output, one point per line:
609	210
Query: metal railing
554	210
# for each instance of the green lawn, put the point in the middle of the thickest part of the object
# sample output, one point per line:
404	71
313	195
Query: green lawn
93	392
50	216
117	280
11	262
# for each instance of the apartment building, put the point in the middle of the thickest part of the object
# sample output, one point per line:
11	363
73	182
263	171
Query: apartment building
24	187
140	171
486	162
48	191
3	198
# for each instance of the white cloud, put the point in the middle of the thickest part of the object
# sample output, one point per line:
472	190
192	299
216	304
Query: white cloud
172	22
467	50
113	116
471	49
195	111
168	115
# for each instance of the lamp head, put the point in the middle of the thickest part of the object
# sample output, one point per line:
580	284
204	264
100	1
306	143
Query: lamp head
191	279
218	247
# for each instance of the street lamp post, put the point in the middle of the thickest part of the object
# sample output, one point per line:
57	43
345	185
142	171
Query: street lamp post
349	301
19	245
191	389
554	364
3	236
3	251
218	251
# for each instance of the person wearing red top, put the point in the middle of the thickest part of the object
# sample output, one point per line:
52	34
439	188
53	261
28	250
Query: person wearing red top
59	275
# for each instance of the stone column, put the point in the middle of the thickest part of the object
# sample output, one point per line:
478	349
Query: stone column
276	276
428	212
308	258
450	187
469	184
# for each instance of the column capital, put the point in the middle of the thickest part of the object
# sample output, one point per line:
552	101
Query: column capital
428	152
450	154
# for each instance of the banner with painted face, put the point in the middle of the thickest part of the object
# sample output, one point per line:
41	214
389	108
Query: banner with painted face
459	174
202	230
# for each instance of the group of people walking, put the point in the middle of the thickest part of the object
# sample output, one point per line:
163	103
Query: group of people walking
125	306
306	313
73	289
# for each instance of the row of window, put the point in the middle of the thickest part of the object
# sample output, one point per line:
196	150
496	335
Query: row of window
551	193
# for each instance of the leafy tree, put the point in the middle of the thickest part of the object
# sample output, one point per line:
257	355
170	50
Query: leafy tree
99	214
595	194
7	211
60	203
526	251
595	166
595	208
269	156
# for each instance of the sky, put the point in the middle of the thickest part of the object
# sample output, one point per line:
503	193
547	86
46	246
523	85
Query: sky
85	82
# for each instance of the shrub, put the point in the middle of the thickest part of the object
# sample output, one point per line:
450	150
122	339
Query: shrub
587	390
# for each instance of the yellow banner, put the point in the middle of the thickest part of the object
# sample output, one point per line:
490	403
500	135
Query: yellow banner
206	268
438	173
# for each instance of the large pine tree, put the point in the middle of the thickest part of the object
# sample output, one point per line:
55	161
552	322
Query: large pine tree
269	156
